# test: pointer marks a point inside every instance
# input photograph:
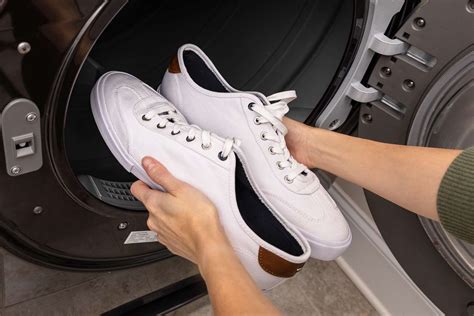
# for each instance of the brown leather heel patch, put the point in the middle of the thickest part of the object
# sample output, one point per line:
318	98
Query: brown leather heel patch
277	266
174	65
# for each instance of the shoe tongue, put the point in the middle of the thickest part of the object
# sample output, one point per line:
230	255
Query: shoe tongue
172	115
164	108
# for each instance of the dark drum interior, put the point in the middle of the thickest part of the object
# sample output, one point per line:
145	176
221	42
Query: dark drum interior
268	46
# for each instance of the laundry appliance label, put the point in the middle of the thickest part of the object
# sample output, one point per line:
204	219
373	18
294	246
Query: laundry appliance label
139	237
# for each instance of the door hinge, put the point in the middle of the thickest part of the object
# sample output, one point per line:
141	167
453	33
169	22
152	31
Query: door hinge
360	93
382	45
386	46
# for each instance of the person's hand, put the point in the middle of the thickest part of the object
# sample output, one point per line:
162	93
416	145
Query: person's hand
185	220
297	141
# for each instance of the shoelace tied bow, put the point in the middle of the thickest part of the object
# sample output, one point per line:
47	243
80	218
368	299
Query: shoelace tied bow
167	115
272	113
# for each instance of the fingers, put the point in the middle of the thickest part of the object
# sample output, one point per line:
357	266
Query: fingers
152	199
140	190
151	223
161	175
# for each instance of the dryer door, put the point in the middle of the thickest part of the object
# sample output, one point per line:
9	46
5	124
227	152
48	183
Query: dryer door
420	91
46	215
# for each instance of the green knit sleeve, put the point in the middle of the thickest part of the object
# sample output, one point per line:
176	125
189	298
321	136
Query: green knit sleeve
456	197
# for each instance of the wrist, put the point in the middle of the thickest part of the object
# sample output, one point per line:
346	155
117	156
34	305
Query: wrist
315	147
211	256
211	241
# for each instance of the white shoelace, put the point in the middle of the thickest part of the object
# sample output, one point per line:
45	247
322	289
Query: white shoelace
273	113
167	115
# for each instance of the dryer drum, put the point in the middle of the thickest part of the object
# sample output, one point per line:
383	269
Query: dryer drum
87	211
259	47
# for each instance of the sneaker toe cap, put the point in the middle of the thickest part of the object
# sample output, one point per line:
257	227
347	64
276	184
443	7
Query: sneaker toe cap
317	217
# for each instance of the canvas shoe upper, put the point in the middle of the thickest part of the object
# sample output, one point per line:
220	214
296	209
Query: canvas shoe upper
136	121
204	97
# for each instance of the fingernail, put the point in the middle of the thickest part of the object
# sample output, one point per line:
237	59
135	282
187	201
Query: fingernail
148	162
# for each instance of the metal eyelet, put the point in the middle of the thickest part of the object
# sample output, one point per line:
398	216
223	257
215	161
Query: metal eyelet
221	157
270	149
144	118
288	180
257	120
206	147
188	139
263	136
250	106
279	165
160	127
173	133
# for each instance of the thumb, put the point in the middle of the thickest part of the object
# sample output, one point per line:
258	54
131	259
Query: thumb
161	175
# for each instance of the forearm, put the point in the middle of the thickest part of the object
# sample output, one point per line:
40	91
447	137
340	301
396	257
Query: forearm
407	176
230	287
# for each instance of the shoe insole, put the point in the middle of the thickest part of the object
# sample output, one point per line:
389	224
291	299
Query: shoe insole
259	218
201	74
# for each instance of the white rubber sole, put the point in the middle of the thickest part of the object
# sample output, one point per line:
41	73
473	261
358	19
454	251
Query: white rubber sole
105	126
326	252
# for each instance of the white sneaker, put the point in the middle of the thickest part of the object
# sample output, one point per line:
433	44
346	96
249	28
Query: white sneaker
197	89
136	121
